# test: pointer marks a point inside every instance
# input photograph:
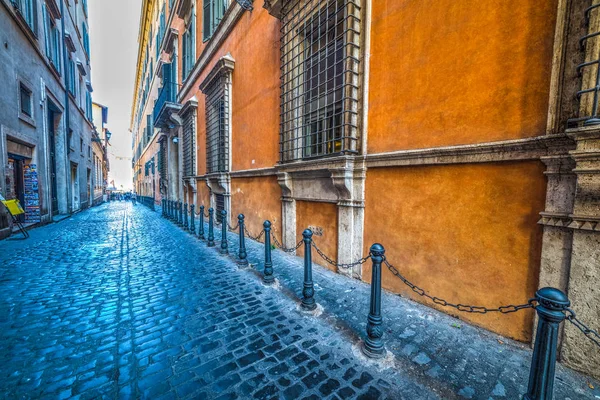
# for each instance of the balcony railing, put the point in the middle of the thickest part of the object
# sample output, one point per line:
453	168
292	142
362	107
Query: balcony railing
166	104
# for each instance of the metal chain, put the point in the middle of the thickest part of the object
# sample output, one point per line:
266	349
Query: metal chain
460	307
252	236
285	249
233	228
335	263
587	331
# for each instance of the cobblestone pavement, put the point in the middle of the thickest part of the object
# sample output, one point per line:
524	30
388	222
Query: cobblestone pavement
117	302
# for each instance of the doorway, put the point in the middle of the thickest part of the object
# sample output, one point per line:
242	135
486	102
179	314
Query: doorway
74	187
15	182
52	146
89	188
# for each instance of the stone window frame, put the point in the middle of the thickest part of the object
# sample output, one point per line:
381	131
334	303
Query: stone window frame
27	87
217	88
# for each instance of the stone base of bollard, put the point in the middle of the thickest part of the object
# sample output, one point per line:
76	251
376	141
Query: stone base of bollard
246	266
385	361
315	312
271	284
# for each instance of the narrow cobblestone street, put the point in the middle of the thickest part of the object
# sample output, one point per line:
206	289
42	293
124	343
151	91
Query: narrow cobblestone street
117	302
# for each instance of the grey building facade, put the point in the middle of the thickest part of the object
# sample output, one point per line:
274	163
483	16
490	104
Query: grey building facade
46	127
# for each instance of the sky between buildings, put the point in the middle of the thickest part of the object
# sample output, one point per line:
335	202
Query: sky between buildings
114	26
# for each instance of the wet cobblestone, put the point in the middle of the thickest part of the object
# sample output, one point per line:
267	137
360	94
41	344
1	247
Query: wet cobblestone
118	303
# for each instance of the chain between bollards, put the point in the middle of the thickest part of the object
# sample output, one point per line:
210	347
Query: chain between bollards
242	255
224	244
268	271
373	345
211	232
308	291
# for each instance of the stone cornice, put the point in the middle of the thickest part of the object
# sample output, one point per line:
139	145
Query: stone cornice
509	150
246	173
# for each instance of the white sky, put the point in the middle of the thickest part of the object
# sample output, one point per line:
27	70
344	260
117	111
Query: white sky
114	26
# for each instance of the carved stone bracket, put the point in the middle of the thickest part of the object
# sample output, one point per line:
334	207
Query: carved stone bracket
285	182
219	183
273	7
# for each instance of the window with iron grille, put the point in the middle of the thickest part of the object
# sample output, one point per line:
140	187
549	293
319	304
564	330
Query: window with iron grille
319	85
189	143
162	159
217	123
220	200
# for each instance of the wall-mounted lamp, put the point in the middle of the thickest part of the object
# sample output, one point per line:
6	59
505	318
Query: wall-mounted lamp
175	140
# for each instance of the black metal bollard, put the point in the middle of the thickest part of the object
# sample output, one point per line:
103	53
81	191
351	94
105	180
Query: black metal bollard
308	291
552	304
211	232
268	273
180	219
201	227
193	218
224	244
242	255
185	216
373	345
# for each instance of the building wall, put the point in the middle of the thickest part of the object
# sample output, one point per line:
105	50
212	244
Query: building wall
258	199
24	59
466	233
311	215
467	75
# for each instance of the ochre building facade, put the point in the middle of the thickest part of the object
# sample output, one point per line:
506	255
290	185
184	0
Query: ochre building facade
462	136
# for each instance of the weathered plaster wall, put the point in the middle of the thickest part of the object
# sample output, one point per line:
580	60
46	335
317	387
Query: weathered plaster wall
458	72
323	215
466	233
258	199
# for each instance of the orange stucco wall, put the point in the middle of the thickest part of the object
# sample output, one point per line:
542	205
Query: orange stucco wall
466	233
202	195
258	199
322	215
457	72
254	93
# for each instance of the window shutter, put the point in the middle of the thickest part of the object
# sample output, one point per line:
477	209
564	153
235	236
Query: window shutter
46	30
207	28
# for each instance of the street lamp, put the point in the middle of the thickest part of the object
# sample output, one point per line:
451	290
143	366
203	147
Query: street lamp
107	135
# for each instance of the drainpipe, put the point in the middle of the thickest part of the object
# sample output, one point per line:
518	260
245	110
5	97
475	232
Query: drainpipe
67	120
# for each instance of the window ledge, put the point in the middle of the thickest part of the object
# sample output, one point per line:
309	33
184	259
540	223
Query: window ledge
28	120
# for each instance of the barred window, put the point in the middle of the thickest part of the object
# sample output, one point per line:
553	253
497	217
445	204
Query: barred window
217	124
320	61
162	158
189	143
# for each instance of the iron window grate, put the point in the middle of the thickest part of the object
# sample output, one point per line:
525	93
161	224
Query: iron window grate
319	78
220	199
217	124
189	143
589	70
